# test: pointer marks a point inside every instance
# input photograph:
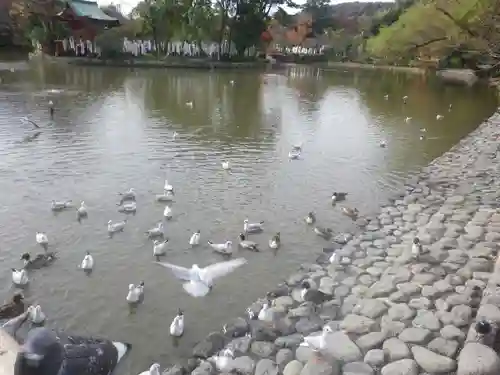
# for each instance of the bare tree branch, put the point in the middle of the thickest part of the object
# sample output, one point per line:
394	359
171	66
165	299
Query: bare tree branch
457	23
434	40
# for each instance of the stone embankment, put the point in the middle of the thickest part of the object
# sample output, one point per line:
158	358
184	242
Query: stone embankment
390	313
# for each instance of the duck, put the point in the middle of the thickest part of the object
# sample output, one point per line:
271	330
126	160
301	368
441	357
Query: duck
87	262
128	207
60	205
129	195
81	211
310	218
198	281
383	144
408	119
223	361
315	296
338	196
40	261
315	342
252	227
42	240
13	308
423	130
225	165
248	245
135	293
116	227
222	248
421	138
439	117
326	233
20	276
167	196
156	231
177	325
416	247
67	354
167	213
294	154
275	241
195	238
405	98
159	248
153	370
353	213
168	187
189	104
263	311
36	314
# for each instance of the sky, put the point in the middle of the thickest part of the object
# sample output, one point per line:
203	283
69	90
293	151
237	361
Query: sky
128	5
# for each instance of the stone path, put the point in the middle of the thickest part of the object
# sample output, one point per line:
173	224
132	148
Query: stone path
391	313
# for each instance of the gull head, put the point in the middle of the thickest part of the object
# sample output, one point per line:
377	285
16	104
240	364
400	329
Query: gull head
109	222
245	221
82	203
229	243
306	285
195	267
26	257
180	313
131	287
416	240
228	353
327	329
198	231
242	237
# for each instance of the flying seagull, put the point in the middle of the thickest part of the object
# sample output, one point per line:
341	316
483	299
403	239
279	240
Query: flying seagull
199	281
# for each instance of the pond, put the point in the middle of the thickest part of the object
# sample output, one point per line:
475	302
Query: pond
114	129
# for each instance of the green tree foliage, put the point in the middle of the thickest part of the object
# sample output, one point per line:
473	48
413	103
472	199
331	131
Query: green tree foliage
437	28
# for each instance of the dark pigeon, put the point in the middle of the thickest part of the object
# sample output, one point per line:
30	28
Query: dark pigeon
47	352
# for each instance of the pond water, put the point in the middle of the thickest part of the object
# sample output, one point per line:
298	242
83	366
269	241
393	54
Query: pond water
113	129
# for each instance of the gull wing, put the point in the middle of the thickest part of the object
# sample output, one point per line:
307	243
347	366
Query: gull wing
216	270
181	273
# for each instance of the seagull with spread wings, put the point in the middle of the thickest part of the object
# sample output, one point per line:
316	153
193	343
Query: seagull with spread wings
199	281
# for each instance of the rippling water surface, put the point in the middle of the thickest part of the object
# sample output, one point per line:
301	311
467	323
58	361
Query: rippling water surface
113	129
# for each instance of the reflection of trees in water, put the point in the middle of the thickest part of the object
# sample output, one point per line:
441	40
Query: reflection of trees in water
308	83
217	104
90	79
427	96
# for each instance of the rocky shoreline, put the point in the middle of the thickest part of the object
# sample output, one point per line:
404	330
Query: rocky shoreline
390	313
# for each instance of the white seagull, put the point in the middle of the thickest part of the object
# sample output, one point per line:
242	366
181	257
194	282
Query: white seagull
199	281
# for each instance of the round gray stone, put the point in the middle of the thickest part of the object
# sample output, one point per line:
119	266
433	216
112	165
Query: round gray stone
432	362
293	368
375	357
283	357
415	335
401	367
478	359
395	349
266	367
357	368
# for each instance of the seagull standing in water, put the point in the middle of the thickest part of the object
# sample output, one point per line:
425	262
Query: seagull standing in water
199	281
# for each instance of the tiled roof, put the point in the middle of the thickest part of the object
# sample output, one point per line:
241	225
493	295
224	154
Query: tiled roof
89	9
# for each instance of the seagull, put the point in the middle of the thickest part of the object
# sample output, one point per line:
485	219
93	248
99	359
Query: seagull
225	165
42	240
405	98
416	248
386	96
408	119
317	342
189	104
439	117
153	370
383	144
199	281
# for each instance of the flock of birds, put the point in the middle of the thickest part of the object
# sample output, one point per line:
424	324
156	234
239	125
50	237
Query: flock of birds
197	281
439	117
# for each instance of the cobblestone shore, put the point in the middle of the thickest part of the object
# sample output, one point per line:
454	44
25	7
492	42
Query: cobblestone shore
391	313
